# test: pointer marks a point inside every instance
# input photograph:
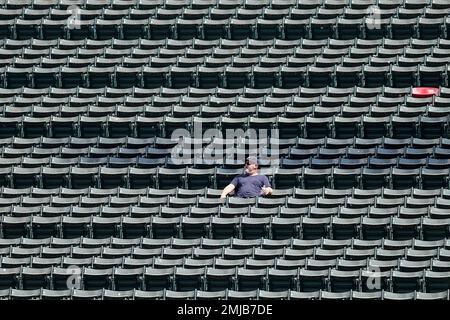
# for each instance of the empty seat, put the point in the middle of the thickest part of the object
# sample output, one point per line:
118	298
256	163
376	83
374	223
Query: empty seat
319	77
434	229
74	227
374	228
249	280
315	178
158	279
17	77
322	28
315	228
404	178
188	279
312	280
375	76
267	29
406	281
403	76
264	77
430	76
24	177
212	29
236	77
223	228
45	227
240	29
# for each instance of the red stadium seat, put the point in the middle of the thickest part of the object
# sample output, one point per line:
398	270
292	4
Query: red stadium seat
424	92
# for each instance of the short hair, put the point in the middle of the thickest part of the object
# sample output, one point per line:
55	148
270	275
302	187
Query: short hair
251	160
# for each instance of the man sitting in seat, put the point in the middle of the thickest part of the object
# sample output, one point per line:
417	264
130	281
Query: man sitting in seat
249	184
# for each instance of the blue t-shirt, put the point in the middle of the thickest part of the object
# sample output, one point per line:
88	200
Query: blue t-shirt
249	186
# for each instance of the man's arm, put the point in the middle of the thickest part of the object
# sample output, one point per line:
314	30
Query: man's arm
267	188
227	190
267	191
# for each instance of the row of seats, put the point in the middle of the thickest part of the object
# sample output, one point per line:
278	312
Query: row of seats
345	259
345	161
163	96
298	193
383	260
163	143
311	122
94	175
142	4
360	249
301	125
339	159
414	208
211	279
231	77
144	207
431	60
57	47
355	249
222	4
213	106
45	294
181	157
157	227
373	156
286	213
214	14
62	48
214	24
141	70
228	5
117	120
210	107
303	198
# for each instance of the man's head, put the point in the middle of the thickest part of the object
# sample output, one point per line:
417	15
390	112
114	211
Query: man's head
251	165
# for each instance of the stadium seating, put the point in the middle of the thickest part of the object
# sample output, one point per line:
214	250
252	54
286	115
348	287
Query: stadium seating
90	185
